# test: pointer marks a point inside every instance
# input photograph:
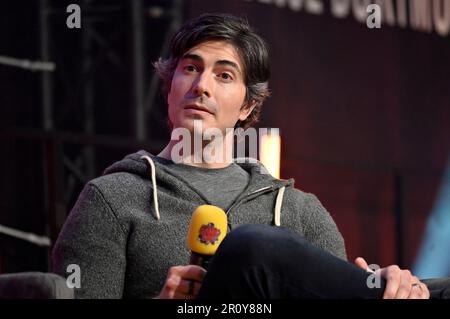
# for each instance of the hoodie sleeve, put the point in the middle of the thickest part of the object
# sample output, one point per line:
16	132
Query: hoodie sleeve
93	239
320	228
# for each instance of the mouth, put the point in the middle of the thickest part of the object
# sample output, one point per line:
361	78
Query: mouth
196	107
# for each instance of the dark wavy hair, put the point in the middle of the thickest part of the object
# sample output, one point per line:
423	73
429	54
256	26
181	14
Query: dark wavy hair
251	48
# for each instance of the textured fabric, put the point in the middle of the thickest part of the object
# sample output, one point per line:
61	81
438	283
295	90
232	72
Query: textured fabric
263	262
220	186
34	285
439	287
124	252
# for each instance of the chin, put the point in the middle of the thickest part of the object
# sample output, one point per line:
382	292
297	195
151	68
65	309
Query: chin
188	123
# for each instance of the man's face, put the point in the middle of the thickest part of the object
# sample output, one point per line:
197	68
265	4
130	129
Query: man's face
208	85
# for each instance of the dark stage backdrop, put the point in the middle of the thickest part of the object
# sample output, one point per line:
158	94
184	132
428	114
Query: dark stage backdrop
363	114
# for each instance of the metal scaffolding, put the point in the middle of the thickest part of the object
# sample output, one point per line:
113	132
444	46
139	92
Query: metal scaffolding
111	34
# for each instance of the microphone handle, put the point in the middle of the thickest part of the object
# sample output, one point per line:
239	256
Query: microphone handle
200	260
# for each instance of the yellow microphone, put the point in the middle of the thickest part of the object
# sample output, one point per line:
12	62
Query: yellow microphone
207	230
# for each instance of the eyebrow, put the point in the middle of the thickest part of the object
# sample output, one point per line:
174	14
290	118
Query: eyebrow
198	58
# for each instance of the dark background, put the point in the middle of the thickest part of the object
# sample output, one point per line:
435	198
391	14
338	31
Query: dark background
364	115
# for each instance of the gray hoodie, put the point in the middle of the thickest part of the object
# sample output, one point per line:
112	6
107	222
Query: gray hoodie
129	226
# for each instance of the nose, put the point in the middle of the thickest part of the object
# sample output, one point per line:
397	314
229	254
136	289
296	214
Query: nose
202	86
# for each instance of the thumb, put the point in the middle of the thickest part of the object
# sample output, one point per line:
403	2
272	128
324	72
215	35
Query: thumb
361	263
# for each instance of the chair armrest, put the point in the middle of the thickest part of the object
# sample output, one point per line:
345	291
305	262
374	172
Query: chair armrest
34	285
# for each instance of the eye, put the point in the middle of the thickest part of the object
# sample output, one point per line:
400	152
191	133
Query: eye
190	68
227	77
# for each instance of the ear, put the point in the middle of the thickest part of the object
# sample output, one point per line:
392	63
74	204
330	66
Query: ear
246	110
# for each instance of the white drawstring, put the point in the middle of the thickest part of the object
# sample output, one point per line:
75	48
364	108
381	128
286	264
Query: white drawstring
153	177
151	164
278	204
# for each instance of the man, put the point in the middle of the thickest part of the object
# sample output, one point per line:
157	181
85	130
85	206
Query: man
127	230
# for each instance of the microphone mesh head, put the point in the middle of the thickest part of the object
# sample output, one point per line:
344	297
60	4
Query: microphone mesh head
207	229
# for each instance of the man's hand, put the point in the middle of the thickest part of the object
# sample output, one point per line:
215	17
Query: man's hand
182	282
400	283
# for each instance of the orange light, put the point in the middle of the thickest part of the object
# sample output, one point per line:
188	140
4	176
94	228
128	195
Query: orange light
270	151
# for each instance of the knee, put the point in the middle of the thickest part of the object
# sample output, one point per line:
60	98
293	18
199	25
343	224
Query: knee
250	242
250	235
247	238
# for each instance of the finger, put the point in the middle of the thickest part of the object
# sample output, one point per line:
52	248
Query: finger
166	293
361	263
425	291
170	287
187	272
189	287
416	292
193	272
406	285
174	289
416	289
177	288
175	276
180	295
392	276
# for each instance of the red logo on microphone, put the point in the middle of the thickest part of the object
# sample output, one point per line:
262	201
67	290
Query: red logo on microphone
208	234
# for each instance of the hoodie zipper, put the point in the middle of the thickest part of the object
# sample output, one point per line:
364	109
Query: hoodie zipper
261	190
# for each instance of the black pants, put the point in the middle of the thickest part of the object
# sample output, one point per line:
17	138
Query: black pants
260	261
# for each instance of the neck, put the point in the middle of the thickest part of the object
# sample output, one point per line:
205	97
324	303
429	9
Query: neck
217	153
